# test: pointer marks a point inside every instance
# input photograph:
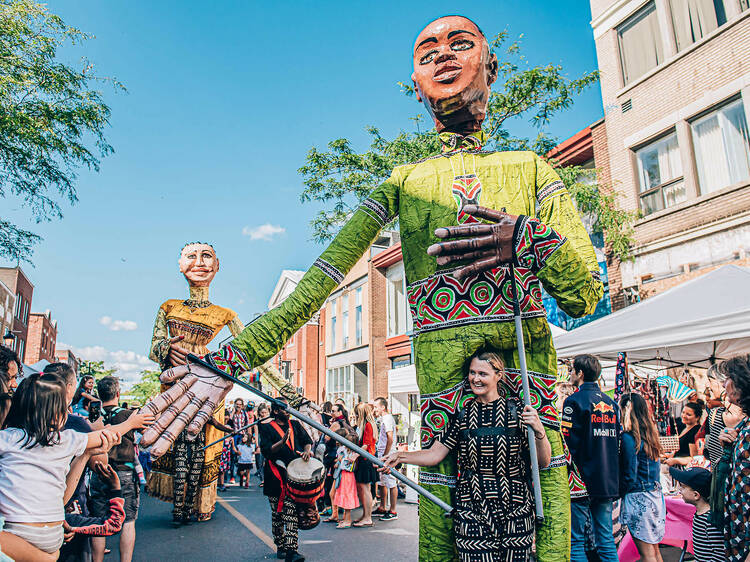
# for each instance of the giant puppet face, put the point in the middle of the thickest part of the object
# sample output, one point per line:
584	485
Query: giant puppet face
199	264
453	71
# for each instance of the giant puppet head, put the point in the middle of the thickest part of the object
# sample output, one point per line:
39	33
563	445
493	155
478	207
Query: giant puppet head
198	263
453	71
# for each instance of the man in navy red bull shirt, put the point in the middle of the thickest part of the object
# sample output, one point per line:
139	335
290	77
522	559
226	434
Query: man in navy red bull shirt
591	426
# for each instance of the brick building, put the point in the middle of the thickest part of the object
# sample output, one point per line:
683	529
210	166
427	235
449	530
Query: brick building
15	279
7	305
675	80
355	333
41	339
66	356
302	360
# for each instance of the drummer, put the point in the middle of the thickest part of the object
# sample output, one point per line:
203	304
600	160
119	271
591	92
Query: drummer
283	440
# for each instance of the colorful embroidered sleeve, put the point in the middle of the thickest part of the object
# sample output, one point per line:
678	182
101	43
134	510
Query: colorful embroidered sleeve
260	340
160	339
559	248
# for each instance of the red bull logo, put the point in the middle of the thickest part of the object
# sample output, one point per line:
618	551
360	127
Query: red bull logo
604	408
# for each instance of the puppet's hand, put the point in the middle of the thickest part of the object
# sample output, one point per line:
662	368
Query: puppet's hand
189	403
487	245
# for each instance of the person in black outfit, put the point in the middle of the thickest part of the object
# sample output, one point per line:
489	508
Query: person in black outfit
691	418
282	439
592	431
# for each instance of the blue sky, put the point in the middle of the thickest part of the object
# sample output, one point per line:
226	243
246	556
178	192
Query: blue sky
224	99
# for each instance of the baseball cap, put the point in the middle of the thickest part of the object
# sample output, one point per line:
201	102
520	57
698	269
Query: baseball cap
699	479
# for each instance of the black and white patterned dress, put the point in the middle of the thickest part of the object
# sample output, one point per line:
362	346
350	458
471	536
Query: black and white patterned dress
493	516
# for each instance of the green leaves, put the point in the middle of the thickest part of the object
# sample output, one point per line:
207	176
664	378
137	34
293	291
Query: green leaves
340	177
148	387
51	118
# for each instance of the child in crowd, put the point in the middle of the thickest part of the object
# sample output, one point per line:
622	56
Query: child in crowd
35	460
246	450
225	462
708	541
75	523
346	485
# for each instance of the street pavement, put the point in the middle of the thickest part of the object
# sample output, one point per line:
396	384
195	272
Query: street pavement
241	530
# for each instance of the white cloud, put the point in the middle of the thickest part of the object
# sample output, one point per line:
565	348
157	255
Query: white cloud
263	232
129	364
118	325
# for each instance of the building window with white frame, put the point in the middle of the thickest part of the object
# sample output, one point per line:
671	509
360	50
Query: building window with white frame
660	175
640	42
722	150
358	316
333	325
345	321
396	298
744	5
694	19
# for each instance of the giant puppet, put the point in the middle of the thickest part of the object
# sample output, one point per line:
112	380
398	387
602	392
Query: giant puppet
465	215
187	475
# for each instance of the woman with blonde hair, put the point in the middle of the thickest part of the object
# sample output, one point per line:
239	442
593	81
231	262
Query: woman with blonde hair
643	510
493	507
364	472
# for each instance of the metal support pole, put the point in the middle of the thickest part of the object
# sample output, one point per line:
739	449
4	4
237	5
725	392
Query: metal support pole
526	398
235	432
320	427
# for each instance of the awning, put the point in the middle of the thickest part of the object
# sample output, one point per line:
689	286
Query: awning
403	379
700	321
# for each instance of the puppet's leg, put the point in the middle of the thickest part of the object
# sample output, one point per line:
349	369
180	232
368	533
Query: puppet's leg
441	359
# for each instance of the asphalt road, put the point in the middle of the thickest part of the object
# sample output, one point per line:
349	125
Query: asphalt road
241	530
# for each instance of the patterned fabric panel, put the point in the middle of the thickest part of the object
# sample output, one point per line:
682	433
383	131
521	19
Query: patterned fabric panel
439	409
180	326
329	270
436	479
230	360
442	301
737	498
542	394
535	243
544	193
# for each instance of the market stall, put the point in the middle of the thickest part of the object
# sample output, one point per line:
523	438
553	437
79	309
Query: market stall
694	324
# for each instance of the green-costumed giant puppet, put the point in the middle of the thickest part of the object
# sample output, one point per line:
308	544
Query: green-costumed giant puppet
476	211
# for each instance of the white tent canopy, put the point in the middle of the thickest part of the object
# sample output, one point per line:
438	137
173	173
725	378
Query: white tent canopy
704	319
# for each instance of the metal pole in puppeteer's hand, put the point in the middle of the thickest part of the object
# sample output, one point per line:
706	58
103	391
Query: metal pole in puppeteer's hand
526	397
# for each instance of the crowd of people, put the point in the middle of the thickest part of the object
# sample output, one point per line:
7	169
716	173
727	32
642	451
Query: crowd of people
618	452
67	481
87	469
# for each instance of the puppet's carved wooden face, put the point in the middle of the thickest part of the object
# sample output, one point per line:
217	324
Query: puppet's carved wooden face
199	264
453	71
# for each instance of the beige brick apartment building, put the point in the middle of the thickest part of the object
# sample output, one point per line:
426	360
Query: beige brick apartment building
675	80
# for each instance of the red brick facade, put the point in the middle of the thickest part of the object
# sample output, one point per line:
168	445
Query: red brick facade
42	338
15	279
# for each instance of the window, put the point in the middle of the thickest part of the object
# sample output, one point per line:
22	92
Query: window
722	151
396	305
640	43
333	325
19	307
358	316
694	19
339	380
744	5
345	321
660	174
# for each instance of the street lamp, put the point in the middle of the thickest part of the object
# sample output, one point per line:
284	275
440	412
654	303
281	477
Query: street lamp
10	336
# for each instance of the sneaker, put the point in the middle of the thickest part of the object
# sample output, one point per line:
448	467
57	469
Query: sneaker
379	512
232	481
390	516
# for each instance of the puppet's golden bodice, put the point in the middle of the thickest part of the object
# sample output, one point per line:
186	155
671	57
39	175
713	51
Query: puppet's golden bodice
197	325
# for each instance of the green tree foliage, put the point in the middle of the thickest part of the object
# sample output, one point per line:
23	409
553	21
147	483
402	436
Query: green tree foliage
51	119
340	177
147	387
95	369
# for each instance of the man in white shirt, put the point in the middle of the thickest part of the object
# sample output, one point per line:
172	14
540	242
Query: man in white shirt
385	445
